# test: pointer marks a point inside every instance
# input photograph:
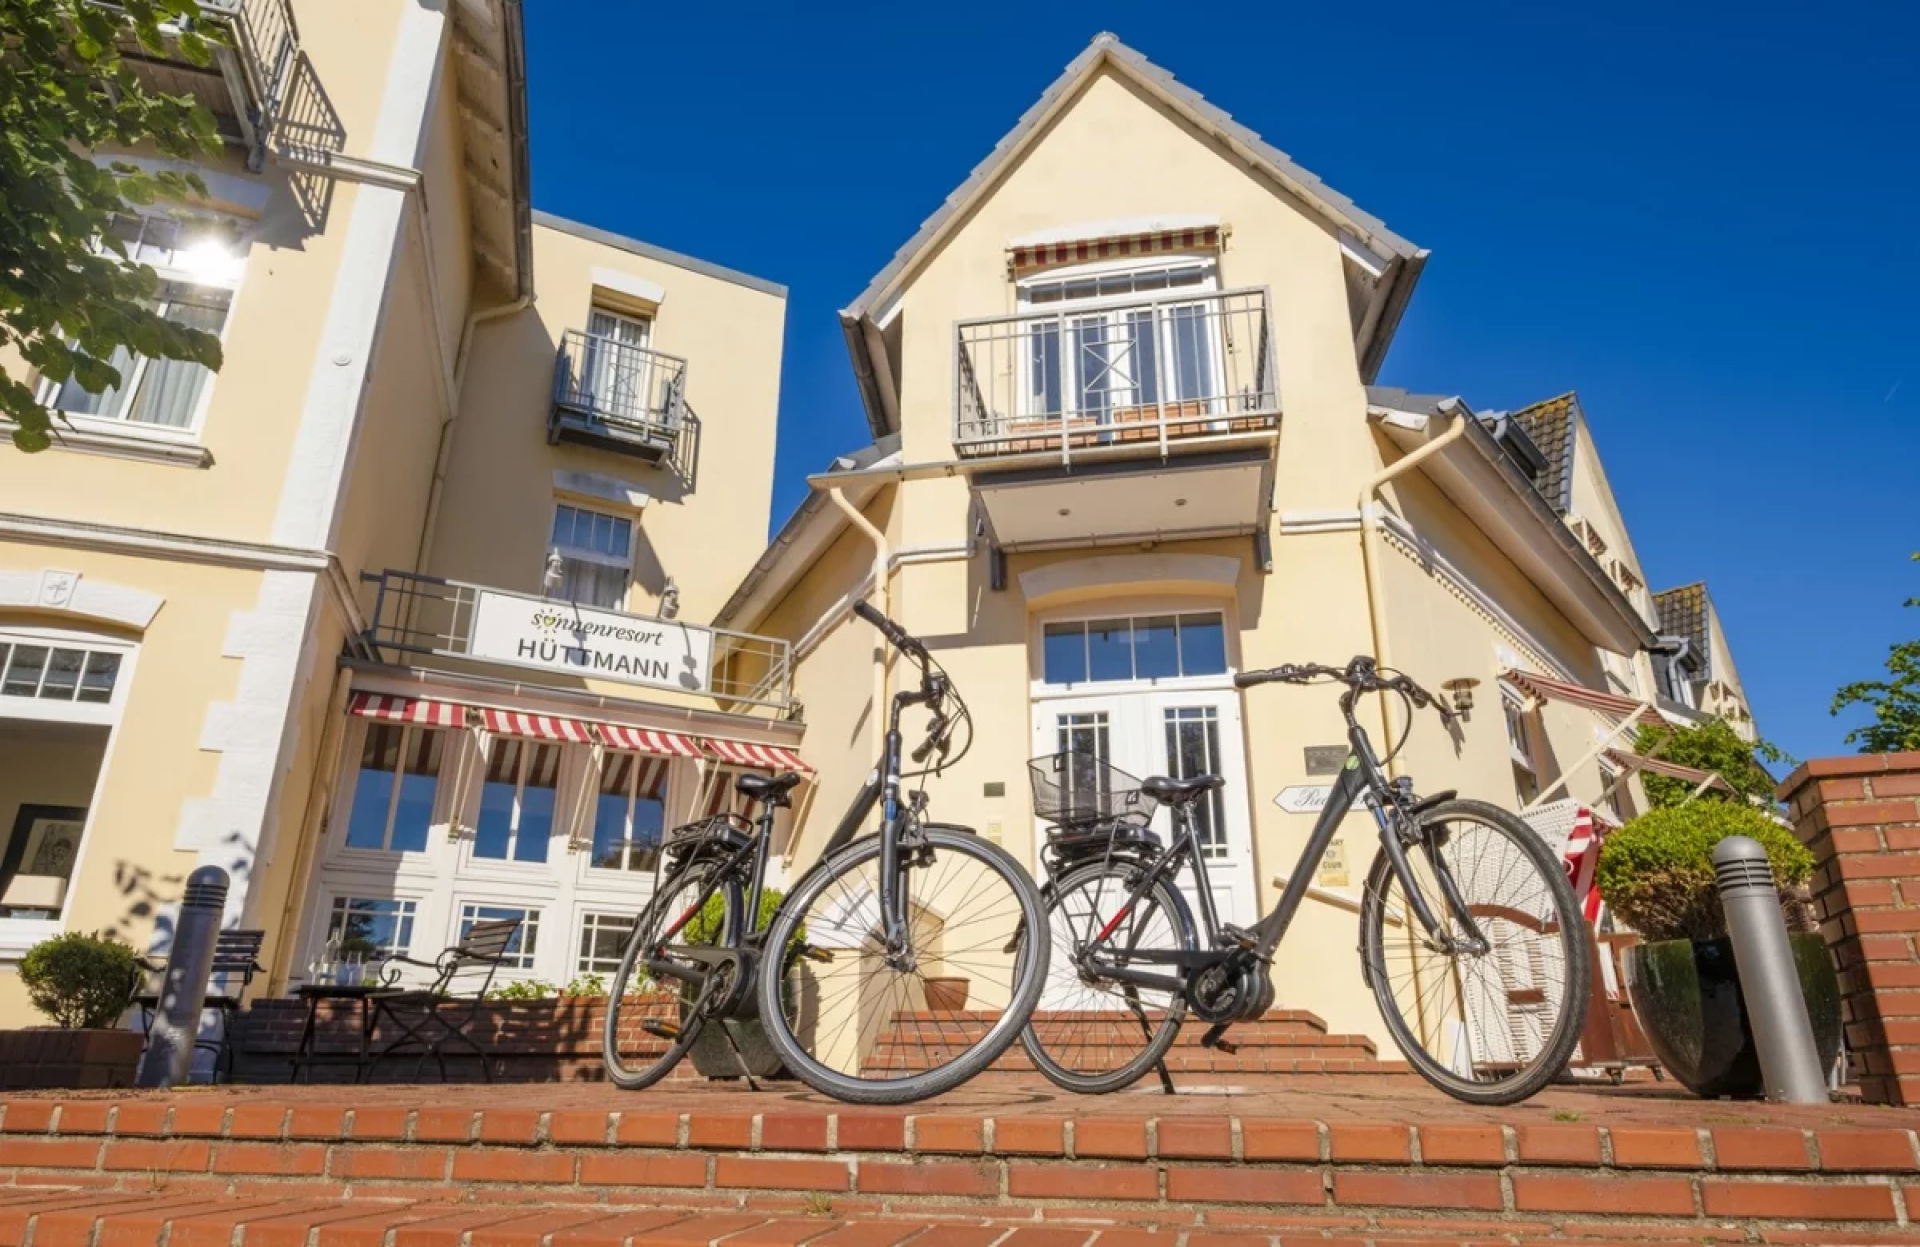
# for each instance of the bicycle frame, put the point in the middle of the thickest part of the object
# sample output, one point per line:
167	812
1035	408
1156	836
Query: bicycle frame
1362	779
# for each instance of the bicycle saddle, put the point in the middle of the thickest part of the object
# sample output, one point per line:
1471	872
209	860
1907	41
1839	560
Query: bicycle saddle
1175	791
766	787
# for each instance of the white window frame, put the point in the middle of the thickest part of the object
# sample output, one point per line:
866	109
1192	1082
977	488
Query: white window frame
526	962
19	934
1520	751
585	914
350	785
1041	688
519	866
228	280
582	554
331	903
1111	310
601	873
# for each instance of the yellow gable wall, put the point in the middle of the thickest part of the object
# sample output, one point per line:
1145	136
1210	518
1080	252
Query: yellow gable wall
497	516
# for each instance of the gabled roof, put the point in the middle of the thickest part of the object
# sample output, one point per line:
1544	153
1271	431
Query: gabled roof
1401	260
1551	424
1683	613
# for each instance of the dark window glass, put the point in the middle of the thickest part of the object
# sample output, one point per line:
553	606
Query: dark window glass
1156	648
1064	653
1110	650
1203	645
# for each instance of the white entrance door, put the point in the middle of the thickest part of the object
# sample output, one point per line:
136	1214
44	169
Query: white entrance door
1180	734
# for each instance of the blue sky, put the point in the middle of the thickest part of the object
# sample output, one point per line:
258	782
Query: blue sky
1699	216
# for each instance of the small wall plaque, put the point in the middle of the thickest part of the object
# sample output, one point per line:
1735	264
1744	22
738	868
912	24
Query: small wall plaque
996	788
1325	759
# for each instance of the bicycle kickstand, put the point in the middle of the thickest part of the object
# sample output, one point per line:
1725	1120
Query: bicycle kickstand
1166	1079
738	1055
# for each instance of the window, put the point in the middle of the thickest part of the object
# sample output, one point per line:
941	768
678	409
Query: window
525	942
596	556
618	376
630	812
603	940
394	791
1193	748
1610	784
1122	339
199	263
373	928
1147	647
57	672
517	801
1520	746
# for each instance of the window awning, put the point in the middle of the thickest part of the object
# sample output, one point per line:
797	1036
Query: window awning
1672	770
760	757
536	726
647	740
1613	705
1022	259
417	710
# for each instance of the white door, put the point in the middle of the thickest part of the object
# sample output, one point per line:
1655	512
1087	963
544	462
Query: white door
1178	733
618	368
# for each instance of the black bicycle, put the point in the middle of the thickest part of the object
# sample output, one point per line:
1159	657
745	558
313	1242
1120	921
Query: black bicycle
1470	936
845	1000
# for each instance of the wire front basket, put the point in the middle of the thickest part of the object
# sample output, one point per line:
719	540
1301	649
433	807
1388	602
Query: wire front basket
1078	790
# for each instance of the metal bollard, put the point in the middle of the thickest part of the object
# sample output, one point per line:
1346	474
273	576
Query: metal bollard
183	992
1769	981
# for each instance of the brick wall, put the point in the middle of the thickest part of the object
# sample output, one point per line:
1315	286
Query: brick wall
1861	817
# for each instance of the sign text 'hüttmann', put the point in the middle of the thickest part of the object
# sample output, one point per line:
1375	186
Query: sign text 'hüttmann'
564	636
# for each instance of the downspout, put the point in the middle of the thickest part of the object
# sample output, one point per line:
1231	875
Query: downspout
444	450
883	585
1371	562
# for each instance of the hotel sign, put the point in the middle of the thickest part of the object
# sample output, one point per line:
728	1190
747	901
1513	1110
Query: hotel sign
597	644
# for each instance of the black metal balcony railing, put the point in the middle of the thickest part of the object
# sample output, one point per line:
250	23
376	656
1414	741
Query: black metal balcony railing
1110	375
618	396
254	66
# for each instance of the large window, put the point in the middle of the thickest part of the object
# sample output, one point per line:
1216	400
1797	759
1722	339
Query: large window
526	940
629	813
1122	340
51	672
199	263
394	791
1526	779
603	940
596	556
618	369
1146	647
370	928
517	801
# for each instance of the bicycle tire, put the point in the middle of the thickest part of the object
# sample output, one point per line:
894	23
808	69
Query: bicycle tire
1552	893
1170	902
1029	961
666	905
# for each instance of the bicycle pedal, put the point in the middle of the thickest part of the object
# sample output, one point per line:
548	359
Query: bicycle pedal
662	1030
811	953
1215	1038
1239	937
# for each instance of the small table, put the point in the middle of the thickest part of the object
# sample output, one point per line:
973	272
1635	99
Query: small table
368	995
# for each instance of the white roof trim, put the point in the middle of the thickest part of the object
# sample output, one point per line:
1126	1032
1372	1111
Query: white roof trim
1118	227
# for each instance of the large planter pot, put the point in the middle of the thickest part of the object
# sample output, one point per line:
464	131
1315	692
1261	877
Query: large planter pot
947	994
1686	995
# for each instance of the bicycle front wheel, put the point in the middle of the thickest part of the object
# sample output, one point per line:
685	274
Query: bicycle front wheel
652	1015
1489	1025
859	1025
1091	1034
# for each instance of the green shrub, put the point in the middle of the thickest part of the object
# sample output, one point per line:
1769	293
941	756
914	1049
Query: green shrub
1657	871
80	981
522	989
584	987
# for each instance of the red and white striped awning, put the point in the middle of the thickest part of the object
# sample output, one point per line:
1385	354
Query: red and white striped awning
1614	705
1080	251
759	757
649	740
535	726
417	710
1672	770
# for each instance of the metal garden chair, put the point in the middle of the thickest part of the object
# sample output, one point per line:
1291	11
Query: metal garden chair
443	1012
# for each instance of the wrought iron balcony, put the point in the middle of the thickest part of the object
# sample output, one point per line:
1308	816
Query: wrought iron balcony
1110	378
247	85
619	397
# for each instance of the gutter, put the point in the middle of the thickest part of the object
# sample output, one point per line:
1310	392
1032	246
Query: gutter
515	37
852	324
1395	307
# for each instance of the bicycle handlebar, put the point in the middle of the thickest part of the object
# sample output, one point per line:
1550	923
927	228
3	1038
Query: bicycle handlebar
901	638
1361	675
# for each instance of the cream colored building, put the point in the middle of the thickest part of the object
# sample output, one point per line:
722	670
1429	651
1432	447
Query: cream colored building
1128	442
397	618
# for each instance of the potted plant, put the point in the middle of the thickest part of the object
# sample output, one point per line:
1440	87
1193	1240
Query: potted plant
1656	874
946	993
83	983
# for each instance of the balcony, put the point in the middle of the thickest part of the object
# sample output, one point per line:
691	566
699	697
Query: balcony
1109	422
620	397
247	84
1121	379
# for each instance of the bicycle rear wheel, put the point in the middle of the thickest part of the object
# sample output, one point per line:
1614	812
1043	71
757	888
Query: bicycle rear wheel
1490	1027
858	1026
1091	1034
652	1016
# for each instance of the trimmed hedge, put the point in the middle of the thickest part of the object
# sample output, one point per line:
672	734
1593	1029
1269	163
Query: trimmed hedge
1657	872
